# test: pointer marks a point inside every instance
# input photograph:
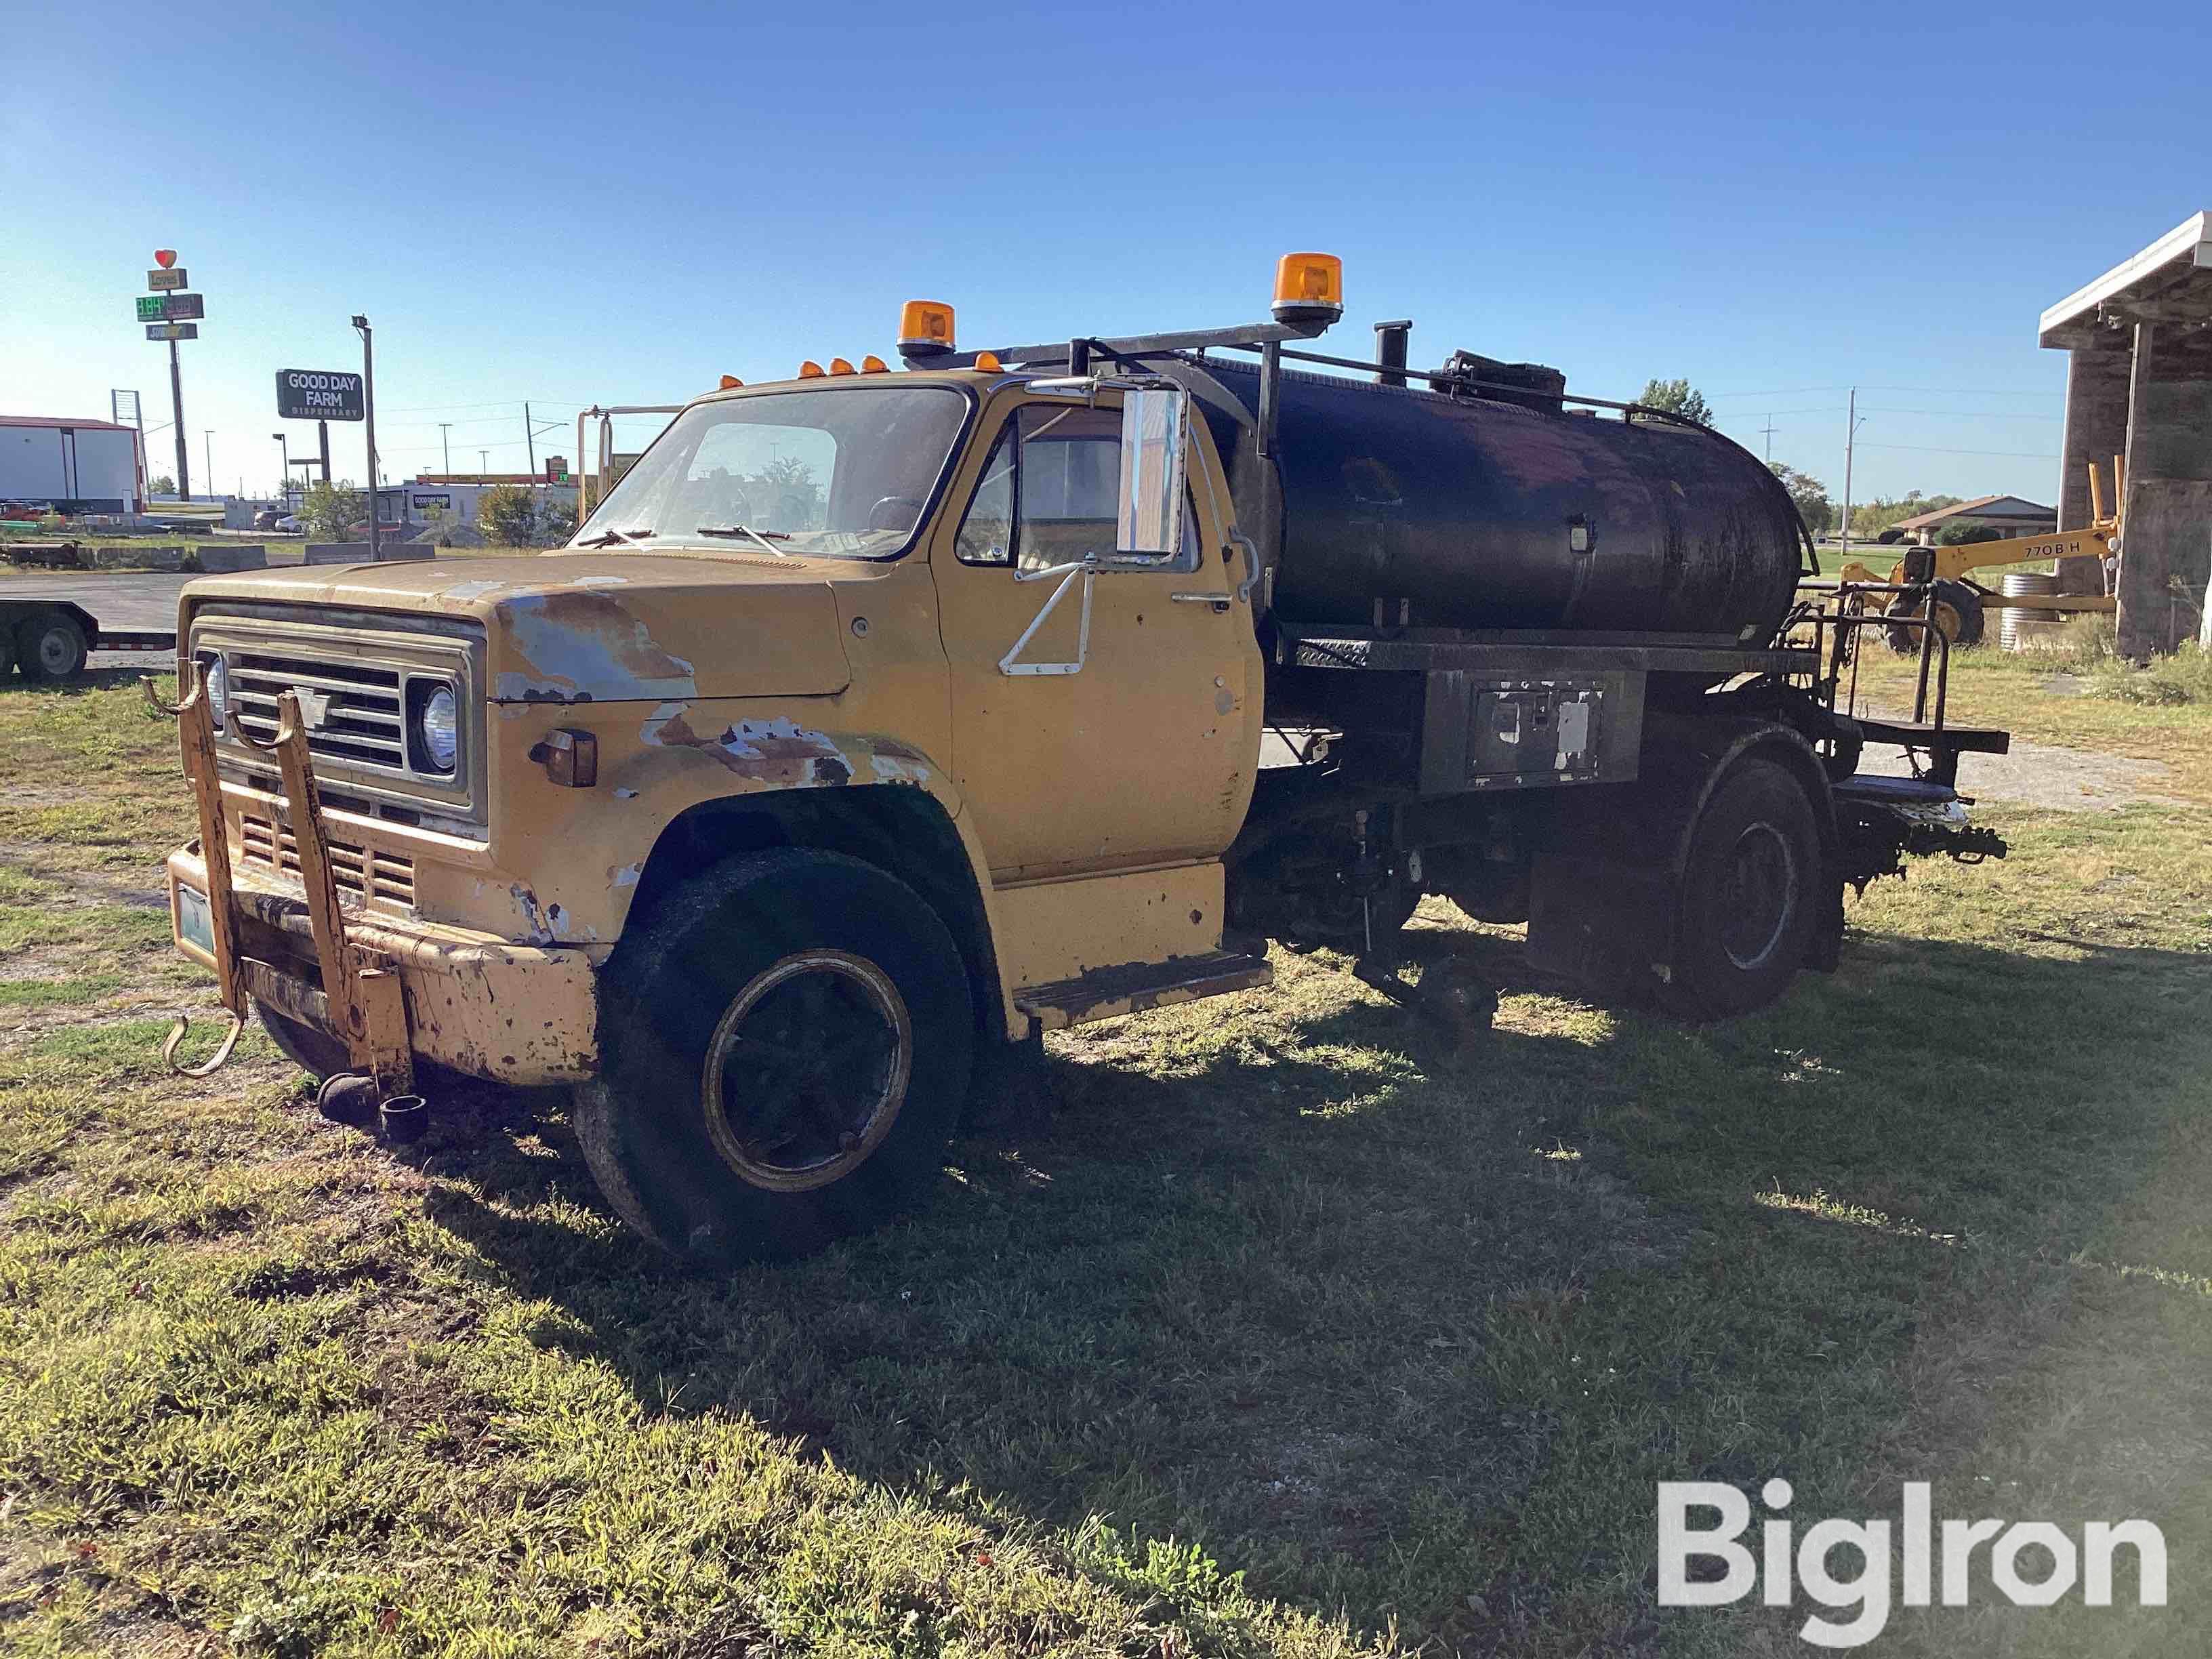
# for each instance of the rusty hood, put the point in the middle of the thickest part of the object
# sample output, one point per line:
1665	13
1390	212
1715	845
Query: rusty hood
600	628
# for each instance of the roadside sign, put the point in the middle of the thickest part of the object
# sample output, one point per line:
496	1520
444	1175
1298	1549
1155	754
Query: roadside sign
162	282
172	330
171	308
317	394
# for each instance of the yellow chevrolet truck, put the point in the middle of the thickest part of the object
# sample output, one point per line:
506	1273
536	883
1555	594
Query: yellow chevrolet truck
881	720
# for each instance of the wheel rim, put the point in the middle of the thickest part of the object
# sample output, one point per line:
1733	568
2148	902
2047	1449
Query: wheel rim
57	651
1759	896
806	1071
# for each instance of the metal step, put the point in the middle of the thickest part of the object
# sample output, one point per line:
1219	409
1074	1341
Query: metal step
1106	993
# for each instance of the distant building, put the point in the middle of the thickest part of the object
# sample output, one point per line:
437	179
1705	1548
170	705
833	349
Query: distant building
452	498
80	466
2009	514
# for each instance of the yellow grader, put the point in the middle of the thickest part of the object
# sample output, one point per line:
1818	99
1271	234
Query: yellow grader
1935	581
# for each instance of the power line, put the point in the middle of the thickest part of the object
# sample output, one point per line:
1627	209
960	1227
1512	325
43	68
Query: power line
1968	414
1930	449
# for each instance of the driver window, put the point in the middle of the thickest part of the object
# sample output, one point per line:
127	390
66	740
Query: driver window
1050	493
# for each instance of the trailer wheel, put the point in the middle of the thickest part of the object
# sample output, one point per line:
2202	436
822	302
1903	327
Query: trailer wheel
785	1047
1749	896
50	645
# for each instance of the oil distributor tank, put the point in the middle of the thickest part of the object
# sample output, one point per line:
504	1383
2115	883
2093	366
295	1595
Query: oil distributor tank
1502	511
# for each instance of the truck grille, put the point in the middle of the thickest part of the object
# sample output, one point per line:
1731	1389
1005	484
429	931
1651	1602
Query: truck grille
363	872
362	720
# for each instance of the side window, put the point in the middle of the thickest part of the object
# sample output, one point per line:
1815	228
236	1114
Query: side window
986	534
1050	494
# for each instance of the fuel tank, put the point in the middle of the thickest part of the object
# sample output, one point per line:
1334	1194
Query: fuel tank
1478	512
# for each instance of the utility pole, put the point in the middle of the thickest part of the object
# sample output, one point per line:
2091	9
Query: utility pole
1850	445
529	436
183	449
368	413
445	438
207	452
483	463
1768	430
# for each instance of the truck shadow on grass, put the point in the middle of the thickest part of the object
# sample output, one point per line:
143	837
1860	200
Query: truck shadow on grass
1390	1336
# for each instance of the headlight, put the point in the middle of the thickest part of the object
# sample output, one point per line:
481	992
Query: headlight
439	729
218	690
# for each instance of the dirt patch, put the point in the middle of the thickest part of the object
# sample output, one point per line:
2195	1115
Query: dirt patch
2045	774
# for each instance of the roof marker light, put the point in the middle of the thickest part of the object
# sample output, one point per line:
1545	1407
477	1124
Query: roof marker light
873	364
839	366
731	383
988	362
810	370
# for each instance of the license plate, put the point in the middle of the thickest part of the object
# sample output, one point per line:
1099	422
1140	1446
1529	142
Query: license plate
195	924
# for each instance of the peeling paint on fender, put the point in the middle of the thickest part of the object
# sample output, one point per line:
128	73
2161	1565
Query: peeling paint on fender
776	751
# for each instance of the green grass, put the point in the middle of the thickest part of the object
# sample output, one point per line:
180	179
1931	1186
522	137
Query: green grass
1279	1337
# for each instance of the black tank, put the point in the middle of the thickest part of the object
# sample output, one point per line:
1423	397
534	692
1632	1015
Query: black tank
1475	512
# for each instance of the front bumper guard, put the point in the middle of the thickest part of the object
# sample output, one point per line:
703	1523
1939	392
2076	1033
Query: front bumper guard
361	1000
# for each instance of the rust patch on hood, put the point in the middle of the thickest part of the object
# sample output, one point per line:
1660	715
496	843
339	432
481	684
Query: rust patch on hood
578	646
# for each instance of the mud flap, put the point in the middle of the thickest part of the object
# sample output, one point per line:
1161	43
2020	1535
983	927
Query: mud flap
1606	925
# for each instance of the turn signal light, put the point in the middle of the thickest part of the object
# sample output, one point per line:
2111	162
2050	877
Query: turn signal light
810	370
925	329
873	364
988	362
731	383
839	366
571	759
1309	289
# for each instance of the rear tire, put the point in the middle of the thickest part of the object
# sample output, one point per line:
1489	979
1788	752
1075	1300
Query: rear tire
1749	901
785	1047
51	646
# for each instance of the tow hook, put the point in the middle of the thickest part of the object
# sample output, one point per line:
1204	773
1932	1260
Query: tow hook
352	1098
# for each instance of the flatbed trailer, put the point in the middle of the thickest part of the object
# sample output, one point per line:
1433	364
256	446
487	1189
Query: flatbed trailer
49	639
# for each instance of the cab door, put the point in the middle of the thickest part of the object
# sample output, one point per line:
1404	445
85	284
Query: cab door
1145	753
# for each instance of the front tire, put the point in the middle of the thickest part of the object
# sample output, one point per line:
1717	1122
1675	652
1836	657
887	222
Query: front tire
1749	906
785	1045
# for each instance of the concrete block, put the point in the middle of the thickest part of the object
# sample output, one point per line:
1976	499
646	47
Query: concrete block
217	556
138	558
357	552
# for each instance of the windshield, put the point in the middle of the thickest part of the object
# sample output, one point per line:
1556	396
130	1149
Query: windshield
847	471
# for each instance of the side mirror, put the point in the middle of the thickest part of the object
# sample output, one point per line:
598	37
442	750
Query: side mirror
1155	445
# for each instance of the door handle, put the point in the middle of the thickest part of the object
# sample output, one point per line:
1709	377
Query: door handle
1218	601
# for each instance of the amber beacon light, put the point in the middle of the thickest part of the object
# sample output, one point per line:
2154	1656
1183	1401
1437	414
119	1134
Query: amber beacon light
1308	290
925	329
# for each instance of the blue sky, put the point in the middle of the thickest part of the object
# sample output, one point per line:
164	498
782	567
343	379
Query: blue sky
622	204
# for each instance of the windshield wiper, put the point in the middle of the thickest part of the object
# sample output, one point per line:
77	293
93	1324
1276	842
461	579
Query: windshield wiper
764	536
608	538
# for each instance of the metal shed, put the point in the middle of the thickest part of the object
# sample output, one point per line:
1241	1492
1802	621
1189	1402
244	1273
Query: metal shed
2139	384
80	466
